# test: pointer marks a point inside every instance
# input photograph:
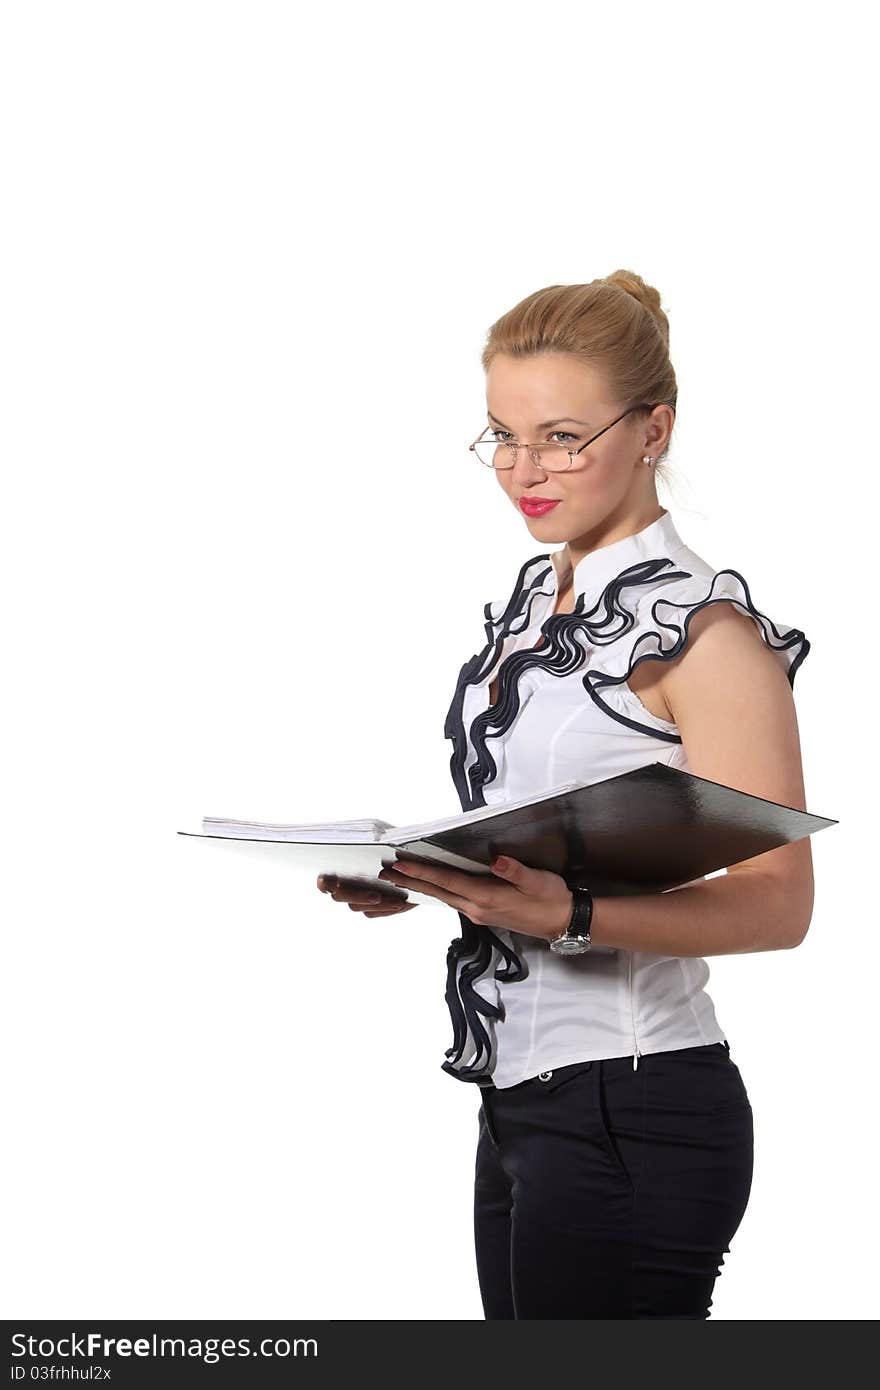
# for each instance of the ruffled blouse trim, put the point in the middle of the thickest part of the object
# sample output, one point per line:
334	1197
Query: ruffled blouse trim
664	641
469	957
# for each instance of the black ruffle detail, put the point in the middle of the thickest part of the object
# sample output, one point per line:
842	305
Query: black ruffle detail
466	1005
791	645
514	619
472	951
607	621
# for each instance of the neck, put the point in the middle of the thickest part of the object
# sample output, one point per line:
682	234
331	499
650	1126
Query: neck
616	531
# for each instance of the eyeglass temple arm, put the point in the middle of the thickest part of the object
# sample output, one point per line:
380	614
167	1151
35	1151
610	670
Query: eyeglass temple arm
642	405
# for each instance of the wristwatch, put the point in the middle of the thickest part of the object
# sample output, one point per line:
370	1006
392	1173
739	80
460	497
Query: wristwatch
576	937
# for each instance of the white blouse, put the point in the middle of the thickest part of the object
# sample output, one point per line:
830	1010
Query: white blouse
565	712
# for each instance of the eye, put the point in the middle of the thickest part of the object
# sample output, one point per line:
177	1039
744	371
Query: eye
498	435
572	437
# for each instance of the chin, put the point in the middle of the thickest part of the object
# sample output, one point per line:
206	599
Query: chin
549	537
545	527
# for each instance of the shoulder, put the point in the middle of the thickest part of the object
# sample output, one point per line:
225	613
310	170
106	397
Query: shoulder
719	643
708	626
729	668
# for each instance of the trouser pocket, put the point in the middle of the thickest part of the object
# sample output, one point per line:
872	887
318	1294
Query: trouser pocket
619	1116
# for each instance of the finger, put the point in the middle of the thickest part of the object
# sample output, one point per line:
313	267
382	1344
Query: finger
388	911
355	895
368	898
393	880
458	882
430	890
344	888
418	885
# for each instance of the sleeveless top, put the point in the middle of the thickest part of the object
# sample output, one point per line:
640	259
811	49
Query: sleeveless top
565	713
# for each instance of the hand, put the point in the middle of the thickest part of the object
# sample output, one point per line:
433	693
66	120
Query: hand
516	898
361	897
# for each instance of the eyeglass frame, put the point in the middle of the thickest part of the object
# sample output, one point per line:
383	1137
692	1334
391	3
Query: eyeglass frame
572	453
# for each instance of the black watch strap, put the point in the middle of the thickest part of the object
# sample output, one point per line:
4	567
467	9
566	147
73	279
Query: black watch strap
582	913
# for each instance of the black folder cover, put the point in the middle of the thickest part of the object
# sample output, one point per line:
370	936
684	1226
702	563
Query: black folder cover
644	831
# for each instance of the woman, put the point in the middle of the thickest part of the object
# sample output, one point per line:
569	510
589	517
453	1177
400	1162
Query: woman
614	1159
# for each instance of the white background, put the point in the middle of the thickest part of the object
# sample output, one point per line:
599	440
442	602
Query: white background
251	252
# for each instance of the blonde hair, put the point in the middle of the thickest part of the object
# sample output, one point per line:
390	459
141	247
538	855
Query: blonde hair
615	325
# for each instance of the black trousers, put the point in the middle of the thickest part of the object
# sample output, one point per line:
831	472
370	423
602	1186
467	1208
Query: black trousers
607	1192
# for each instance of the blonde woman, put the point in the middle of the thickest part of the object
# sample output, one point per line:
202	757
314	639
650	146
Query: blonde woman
615	1145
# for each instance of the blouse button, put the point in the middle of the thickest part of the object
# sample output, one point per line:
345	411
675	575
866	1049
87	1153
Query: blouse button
544	1075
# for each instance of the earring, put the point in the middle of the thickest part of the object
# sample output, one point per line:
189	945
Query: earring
648	460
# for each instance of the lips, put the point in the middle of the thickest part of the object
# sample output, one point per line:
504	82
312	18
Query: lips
537	506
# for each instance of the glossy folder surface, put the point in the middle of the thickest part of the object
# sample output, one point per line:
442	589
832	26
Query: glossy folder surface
648	830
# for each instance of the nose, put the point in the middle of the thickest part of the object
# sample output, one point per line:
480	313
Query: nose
526	470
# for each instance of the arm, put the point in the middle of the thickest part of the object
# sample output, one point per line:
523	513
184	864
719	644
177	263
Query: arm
734	708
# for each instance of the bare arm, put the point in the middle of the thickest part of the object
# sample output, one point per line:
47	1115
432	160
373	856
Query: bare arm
735	711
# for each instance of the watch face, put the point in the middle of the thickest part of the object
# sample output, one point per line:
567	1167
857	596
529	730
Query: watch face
570	945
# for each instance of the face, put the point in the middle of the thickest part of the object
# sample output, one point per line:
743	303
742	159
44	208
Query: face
608	488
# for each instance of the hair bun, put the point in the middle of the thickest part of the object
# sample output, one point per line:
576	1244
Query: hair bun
647	296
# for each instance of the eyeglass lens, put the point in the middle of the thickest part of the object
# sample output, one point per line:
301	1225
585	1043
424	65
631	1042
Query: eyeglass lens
550	456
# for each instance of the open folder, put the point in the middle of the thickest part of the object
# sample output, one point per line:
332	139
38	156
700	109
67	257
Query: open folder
648	830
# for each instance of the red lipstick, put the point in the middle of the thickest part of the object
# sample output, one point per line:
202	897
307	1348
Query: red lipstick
537	506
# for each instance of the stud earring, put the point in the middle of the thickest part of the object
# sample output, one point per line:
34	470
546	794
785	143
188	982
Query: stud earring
647	459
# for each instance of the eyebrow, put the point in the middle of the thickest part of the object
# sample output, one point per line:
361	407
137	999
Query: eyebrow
566	420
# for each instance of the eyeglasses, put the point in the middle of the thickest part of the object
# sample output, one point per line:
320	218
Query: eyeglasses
551	457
